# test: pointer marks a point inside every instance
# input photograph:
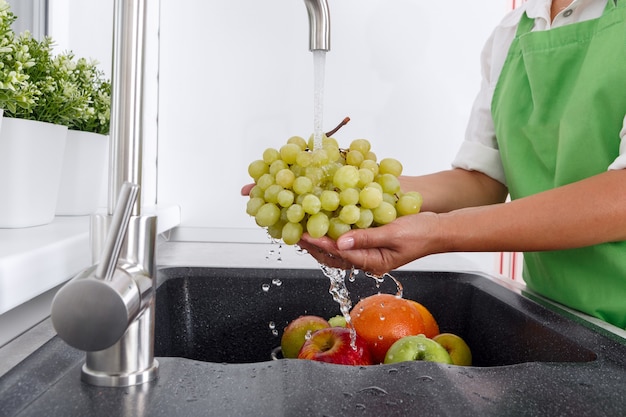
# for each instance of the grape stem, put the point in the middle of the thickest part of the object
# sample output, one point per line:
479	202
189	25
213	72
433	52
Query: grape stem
343	123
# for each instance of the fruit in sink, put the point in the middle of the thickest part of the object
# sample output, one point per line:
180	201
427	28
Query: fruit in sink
458	350
417	348
431	328
326	190
333	345
382	319
297	331
337	321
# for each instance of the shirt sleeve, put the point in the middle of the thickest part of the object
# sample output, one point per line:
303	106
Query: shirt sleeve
479	150
620	161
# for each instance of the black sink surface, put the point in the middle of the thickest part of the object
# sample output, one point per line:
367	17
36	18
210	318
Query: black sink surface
216	328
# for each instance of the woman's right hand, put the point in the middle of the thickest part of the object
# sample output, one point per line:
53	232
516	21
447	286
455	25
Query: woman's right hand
245	190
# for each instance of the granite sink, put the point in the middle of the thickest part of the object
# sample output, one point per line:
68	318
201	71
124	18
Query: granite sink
216	329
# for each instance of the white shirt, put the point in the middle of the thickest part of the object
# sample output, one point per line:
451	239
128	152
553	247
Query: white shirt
479	150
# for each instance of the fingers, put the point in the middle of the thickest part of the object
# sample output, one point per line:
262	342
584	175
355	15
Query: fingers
245	190
324	251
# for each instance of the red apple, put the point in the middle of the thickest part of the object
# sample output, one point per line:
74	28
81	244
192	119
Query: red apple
296	332
334	345
459	352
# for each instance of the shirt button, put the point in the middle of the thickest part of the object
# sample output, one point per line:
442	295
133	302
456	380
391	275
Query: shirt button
568	13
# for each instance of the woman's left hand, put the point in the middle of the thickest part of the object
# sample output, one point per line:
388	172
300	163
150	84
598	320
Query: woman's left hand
379	249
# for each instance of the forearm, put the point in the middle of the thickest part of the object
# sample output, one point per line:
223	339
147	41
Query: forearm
453	189
580	214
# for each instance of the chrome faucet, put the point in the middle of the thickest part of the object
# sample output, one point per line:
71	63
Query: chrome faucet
319	25
107	310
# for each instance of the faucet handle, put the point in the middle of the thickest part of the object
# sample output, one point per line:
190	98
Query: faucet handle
117	230
93	311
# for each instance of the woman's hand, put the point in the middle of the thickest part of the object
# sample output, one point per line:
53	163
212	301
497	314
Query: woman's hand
245	190
379	249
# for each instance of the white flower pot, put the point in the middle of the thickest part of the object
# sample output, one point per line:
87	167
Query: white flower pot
31	158
84	166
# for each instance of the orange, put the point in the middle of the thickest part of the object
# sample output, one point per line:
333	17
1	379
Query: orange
431	328
381	319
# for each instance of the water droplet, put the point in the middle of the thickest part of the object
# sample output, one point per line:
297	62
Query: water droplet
277	282
265	287
381	317
272	325
380	337
275	332
392	371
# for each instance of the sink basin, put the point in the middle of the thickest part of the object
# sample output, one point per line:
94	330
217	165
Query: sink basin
227	315
217	327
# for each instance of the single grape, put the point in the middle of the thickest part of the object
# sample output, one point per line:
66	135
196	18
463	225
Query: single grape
302	185
370	197
276	230
366	219
270	155
366	176
304	158
349	214
390	166
385	213
337	228
354	157
361	145
329	200
408	204
295	213
349	196
271	193
298	140
346	177
256	191
371	165
390	198
285	178
291	233
389	182
257	168
265	181
311	204
277	166
267	215
289	152
253	205
285	198
317	225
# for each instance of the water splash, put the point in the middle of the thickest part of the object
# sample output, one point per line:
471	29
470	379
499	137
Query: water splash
379	279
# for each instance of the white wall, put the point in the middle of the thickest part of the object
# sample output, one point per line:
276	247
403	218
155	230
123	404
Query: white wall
236	77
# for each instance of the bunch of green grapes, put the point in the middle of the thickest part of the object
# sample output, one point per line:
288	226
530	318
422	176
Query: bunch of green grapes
325	190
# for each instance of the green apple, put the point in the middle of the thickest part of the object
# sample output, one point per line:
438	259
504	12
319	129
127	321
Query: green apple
337	321
459	351
296	332
417	348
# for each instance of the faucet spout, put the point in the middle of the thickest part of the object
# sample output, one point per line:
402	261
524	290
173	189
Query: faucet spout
319	25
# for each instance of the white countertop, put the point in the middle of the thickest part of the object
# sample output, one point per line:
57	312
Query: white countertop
36	259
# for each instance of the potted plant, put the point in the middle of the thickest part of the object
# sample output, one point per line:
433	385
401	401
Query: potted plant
86	150
40	95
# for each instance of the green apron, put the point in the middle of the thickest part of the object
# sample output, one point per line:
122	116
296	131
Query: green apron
558	108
